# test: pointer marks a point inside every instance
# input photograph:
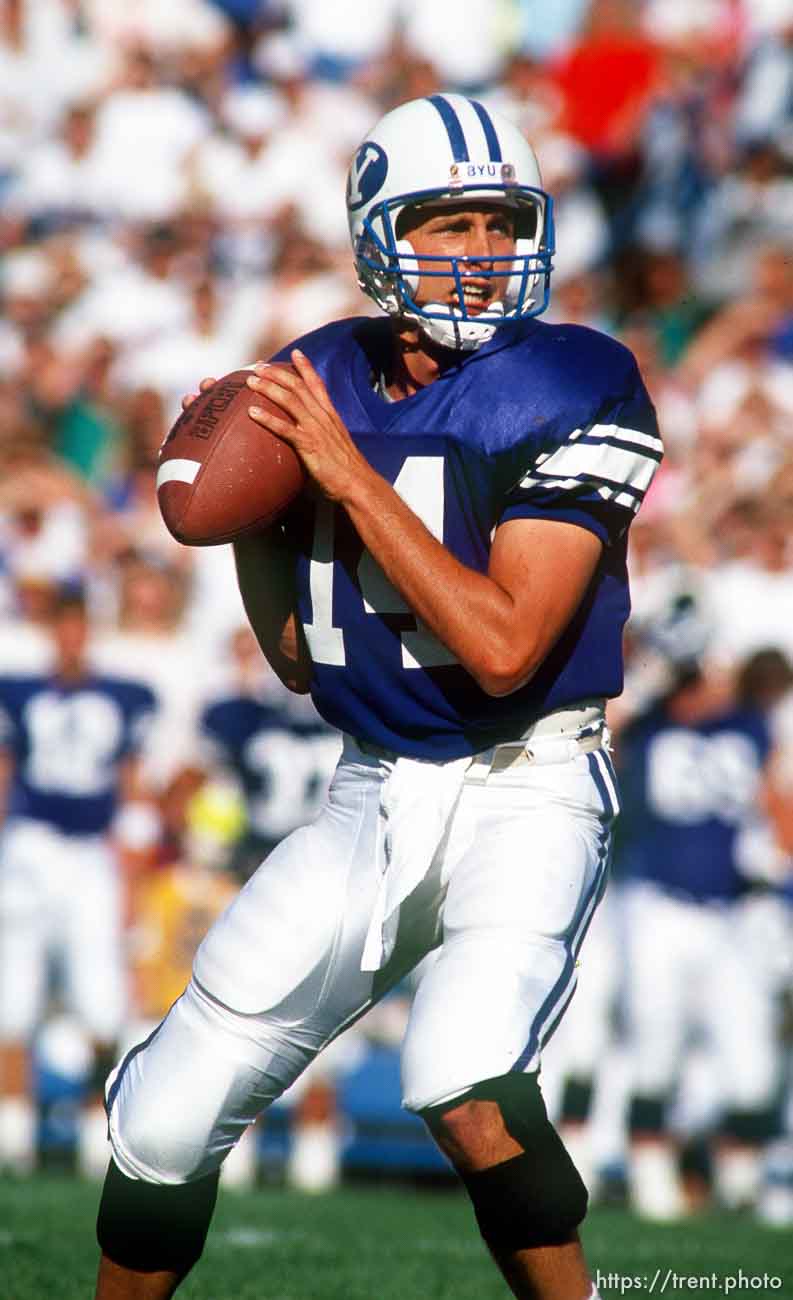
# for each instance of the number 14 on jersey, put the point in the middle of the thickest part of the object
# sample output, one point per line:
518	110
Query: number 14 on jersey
420	485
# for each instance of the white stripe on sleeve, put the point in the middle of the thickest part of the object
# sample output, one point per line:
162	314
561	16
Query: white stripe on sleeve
616	460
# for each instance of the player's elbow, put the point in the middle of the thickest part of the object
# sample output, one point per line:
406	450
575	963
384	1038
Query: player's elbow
297	685
502	673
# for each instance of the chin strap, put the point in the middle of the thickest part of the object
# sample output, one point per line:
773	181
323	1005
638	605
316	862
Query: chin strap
453	330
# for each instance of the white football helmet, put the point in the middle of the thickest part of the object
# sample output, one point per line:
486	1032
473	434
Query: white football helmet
445	148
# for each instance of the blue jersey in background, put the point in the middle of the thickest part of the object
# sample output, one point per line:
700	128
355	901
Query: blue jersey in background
283	764
66	741
687	792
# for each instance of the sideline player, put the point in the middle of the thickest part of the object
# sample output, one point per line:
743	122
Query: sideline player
691	768
282	754
69	745
453	595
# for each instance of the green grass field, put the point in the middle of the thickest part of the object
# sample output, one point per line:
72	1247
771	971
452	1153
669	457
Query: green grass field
374	1243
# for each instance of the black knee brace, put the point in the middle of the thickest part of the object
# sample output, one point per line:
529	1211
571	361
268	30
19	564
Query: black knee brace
153	1228
534	1199
751	1126
577	1099
647	1114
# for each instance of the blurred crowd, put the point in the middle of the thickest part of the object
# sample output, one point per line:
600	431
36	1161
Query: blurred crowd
172	182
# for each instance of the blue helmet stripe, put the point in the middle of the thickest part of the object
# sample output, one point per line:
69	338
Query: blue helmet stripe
491	136
453	126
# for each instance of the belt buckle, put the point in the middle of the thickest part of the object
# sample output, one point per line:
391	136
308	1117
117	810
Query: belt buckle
503	760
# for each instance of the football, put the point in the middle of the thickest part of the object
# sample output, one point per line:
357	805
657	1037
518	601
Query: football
221	475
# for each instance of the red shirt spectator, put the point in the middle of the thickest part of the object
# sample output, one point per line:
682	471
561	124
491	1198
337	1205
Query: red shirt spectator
607	79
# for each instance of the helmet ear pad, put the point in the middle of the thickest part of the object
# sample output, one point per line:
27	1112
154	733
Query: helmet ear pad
410	278
523	248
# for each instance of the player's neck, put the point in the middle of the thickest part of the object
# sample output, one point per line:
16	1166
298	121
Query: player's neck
70	671
415	362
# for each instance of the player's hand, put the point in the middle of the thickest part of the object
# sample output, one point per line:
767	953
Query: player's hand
313	428
191	397
202	387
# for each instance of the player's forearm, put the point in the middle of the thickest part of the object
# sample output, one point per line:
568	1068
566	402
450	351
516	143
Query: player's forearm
265	574
467	611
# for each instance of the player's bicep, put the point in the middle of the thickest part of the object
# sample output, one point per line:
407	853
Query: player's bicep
546	567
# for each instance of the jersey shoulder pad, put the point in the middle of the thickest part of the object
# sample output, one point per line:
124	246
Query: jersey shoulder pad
131	694
333	340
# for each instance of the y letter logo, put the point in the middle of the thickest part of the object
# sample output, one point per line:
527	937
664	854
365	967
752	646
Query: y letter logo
367	174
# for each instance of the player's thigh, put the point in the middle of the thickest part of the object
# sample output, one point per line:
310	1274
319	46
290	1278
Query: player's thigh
25	923
741	1011
520	896
660	957
93	939
275	980
663	939
586	1030
288	940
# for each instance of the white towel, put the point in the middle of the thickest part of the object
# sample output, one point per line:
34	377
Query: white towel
416	806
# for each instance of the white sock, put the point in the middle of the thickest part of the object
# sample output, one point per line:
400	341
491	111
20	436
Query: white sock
17	1134
737	1176
314	1163
241	1164
656	1191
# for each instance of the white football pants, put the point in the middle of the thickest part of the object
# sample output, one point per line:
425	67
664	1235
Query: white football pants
508	893
698	965
60	894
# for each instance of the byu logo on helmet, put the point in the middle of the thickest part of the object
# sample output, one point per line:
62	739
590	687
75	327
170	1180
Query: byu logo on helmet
367	174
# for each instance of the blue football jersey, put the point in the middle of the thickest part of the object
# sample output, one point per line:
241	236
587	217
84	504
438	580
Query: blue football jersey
687	792
283	765
544	421
66	741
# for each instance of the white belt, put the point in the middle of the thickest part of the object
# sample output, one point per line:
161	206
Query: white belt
554	738
583	724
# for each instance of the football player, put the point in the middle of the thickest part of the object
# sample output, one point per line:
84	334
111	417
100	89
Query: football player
282	756
69	746
452	593
696	922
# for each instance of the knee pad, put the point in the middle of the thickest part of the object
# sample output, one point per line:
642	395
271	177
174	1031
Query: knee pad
754	1127
534	1199
577	1099
647	1114
152	1227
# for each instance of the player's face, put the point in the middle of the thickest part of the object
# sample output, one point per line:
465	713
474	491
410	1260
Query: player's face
478	231
70	635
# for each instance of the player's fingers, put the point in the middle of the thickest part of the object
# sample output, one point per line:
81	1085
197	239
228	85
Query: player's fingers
202	388
313	382
269	420
303	381
289	399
